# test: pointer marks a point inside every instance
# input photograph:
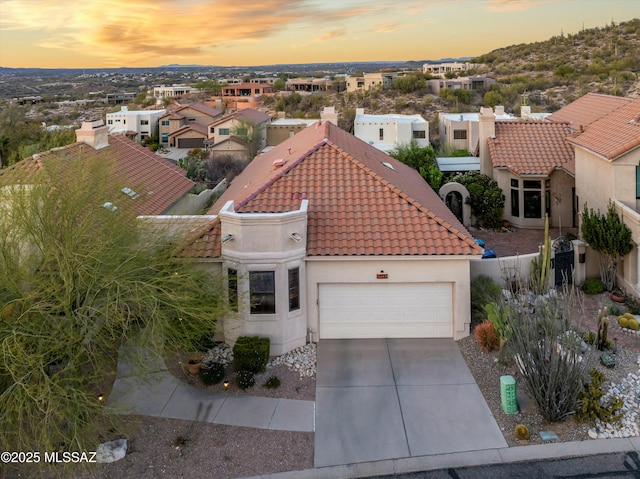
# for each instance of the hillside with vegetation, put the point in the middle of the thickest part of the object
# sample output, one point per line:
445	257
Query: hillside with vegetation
547	75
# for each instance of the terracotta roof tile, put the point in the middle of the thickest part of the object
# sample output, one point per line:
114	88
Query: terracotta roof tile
357	205
587	109
530	148
202	130
202	108
615	133
158	182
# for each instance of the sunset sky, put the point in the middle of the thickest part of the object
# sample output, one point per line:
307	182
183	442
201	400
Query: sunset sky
148	33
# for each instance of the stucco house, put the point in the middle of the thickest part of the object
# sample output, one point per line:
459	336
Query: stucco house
532	162
137	124
186	127
223	131
324	236
387	132
607	165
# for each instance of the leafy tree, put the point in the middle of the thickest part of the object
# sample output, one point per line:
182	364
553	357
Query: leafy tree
252	134
610	237
422	159
76	281
410	83
485	198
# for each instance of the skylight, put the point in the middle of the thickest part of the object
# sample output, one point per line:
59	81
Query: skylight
130	193
110	206
388	165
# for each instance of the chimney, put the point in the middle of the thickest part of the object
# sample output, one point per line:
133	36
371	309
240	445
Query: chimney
329	114
525	111
499	110
359	111
486	130
124	108
94	133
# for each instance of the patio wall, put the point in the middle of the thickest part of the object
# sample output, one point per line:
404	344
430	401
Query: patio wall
499	268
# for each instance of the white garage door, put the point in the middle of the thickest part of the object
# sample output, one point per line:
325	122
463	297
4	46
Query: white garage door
385	310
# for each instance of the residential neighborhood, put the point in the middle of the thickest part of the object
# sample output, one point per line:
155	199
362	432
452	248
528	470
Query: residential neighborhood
339	271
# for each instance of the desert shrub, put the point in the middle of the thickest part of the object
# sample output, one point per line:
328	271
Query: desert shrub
272	382
552	373
211	373
590	338
633	324
485	198
486	336
593	286
484	290
632	303
522	432
245	379
615	310
591	405
623	321
251	353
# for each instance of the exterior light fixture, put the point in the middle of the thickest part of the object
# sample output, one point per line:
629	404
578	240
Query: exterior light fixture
100	398
226	238
295	237
226	384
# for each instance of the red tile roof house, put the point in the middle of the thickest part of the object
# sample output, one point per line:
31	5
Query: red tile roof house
324	236
607	166
532	162
151	185
221	133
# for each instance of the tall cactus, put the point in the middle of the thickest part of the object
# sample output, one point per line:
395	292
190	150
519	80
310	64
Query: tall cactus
541	266
603	326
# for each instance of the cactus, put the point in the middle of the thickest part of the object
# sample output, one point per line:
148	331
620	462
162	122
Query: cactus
623	321
500	320
541	266
603	326
522	432
633	324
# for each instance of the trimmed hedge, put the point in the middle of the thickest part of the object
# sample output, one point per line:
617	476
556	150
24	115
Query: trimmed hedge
251	353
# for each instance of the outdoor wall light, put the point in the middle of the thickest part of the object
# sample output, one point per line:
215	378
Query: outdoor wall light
226	238
226	384
295	237
100	398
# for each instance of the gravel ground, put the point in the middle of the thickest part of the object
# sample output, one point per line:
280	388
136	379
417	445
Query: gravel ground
174	448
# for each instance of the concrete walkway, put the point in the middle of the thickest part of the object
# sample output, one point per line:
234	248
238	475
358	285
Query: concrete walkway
144	386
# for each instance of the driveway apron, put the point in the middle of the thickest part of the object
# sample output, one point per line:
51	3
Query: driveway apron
382	399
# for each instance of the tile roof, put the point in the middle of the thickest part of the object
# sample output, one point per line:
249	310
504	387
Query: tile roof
615	134
157	181
202	108
587	109
357	204
248	114
530	148
202	130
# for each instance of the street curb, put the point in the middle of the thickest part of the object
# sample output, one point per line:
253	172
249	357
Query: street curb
506	455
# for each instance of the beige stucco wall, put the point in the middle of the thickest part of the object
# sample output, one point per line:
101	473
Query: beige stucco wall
400	270
276	134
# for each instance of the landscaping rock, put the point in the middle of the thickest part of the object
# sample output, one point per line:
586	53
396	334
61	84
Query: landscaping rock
111	451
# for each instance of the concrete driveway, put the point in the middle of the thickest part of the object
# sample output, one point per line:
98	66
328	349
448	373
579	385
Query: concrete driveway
393	398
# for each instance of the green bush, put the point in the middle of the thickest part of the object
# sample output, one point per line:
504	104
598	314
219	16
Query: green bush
273	382
590	405
615	310
593	286
245	379
484	290
251	353
485	198
212	373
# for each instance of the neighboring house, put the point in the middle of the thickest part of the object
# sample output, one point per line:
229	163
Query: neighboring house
225	128
284	128
461	130
461	83
310	85
324	236
387	132
186	127
607	165
370	81
441	69
173	91
137	124
532	162
150	184
119	98
238	96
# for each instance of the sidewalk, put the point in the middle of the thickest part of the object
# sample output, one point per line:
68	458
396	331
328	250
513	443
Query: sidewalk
149	389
